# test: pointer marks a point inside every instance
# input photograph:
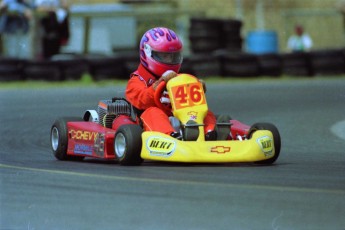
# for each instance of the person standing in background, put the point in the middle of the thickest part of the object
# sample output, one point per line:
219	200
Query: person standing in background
15	17
54	25
300	41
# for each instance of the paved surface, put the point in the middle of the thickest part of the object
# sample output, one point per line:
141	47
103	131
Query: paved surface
305	189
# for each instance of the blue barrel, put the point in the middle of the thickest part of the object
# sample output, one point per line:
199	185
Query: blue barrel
262	42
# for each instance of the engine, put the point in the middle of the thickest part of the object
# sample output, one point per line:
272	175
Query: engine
108	110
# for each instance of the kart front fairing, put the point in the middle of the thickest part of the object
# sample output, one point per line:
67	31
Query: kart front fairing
161	147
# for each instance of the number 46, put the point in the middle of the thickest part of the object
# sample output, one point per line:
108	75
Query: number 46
190	94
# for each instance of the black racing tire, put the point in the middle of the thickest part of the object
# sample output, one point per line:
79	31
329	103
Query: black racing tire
296	64
327	62
127	144
131	62
11	69
42	70
239	65
206	25
204	44
59	139
270	64
223	131
276	139
204	65
72	66
107	68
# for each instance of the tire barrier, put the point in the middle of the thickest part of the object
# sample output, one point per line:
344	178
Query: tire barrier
270	64
72	66
11	69
327	62
296	64
204	35
219	63
239	65
207	35
107	68
42	70
131	63
201	65
231	39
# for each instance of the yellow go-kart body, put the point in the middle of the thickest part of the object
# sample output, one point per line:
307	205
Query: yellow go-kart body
189	103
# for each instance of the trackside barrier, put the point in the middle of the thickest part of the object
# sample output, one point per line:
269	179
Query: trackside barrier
219	63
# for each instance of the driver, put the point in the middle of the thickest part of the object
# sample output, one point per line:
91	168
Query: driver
160	60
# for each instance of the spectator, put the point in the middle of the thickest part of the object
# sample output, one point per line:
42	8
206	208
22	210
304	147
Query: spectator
15	15
300	41
55	25
14	24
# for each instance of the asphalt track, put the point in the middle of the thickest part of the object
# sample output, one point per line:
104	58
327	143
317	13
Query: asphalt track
305	189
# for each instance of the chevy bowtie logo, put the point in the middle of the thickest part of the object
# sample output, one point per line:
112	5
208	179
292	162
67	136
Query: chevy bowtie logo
220	149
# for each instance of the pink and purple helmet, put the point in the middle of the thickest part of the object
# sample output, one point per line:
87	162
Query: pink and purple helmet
161	50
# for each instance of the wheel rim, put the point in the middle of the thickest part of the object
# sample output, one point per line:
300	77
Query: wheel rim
120	145
55	138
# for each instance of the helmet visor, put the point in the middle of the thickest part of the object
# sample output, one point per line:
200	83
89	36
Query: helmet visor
170	58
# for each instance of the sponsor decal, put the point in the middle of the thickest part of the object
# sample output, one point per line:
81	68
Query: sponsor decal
266	145
192	115
99	144
83	135
83	149
220	149
160	146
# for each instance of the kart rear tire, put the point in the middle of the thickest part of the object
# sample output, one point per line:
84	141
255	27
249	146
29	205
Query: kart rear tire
59	139
276	139
127	144
223	131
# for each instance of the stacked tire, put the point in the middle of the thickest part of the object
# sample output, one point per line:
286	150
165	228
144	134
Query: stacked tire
106	68
201	65
327	62
72	66
205	35
11	69
42	70
231	39
208	35
239	64
296	64
131	63
270	64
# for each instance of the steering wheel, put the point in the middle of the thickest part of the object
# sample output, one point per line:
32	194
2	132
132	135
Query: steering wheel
157	96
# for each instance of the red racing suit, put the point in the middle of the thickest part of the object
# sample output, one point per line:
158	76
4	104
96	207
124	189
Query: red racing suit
140	93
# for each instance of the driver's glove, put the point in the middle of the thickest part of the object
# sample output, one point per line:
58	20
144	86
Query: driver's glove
166	76
169	74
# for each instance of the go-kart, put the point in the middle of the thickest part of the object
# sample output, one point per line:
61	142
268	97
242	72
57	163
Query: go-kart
113	132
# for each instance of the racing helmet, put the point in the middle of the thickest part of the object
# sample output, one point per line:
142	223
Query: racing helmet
161	50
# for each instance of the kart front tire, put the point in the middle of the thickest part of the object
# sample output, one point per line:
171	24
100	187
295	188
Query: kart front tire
127	144
59	139
276	140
